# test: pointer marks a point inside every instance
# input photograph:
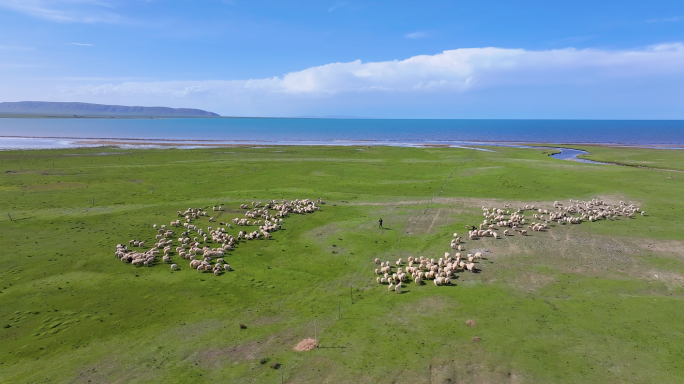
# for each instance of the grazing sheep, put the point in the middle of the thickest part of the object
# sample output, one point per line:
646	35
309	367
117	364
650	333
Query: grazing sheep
174	267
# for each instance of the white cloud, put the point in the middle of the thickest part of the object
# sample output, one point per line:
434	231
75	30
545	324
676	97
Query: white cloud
79	11
416	35
450	72
82	44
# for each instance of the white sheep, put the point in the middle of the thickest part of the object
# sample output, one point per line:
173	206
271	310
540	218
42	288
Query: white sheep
174	267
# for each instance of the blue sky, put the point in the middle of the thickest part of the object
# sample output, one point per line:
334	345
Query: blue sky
402	59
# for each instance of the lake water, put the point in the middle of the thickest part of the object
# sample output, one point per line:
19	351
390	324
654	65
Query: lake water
343	131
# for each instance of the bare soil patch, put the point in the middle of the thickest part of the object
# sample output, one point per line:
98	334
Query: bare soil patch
673	247
478	373
530	263
432	304
424	222
530	282
216	357
323	231
443	373
305	345
669	278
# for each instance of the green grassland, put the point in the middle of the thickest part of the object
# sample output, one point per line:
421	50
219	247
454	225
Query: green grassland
599	302
665	159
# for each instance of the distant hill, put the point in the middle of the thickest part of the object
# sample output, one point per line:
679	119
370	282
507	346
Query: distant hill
85	109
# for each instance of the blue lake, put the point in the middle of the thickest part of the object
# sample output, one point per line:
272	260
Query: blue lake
313	131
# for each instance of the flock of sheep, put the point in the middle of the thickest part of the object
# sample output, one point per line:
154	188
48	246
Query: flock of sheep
441	271
193	243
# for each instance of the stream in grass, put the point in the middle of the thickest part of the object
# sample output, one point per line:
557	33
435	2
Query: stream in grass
572	155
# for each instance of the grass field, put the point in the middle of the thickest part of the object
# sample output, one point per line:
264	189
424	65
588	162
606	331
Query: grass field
664	159
599	302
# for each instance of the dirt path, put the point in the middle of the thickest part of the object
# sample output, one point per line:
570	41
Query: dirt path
433	220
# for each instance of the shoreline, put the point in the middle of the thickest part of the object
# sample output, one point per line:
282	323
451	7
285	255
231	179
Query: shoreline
76	142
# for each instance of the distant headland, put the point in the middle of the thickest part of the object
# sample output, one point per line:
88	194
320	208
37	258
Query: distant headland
76	110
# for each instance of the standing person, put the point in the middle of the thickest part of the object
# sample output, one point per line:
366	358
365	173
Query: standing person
380	222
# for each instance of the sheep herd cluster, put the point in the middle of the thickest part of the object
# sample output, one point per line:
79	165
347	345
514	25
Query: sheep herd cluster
193	243
422	268
575	212
506	219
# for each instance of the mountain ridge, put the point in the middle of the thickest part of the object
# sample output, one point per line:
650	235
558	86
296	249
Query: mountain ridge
89	109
